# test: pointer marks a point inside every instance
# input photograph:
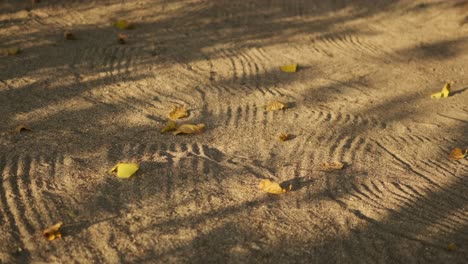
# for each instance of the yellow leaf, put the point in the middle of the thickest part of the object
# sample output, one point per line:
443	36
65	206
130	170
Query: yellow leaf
178	112
170	126
13	51
444	93
124	170
289	68
457	154
284	137
331	166
123	24
22	128
452	247
189	129
272	187
276	105
53	232
68	35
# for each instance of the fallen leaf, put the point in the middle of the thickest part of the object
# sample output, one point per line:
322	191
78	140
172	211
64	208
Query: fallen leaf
170	126
122	38
22	128
444	93
284	137
272	187
457	154
289	68
178	112
68	35
452	247
72	214
276	105
53	232
124	170
331	166
12	51
123	24
189	129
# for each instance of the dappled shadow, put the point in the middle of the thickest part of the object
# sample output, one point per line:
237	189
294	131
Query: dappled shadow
441	50
193	195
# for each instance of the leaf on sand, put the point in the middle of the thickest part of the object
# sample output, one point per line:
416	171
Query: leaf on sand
452	247
123	24
457	154
22	128
53	232
272	187
189	129
331	166
68	35
289	68
122	38
12	51
170	126
284	137
276	105
444	93
124	170
178	112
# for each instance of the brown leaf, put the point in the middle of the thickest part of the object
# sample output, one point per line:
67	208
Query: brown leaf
189	129
452	247
284	137
272	187
170	126
178	112
68	35
331	166
276	105
122	38
22	128
53	232
457	154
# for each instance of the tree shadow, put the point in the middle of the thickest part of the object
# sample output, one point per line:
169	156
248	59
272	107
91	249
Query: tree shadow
198	198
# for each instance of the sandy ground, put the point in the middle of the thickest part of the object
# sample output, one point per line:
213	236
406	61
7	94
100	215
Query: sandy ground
361	96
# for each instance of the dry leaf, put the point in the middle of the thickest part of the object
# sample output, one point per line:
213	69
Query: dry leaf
53	232
284	137
12	51
331	166
123	24
452	247
170	126
178	112
189	129
289	68
457	154
444	93
22	128
272	187
276	105
122	38
124	170
68	35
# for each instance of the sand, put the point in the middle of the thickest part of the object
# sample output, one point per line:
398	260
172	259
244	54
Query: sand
361	96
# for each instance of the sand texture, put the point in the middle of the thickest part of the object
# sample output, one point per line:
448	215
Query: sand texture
361	96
